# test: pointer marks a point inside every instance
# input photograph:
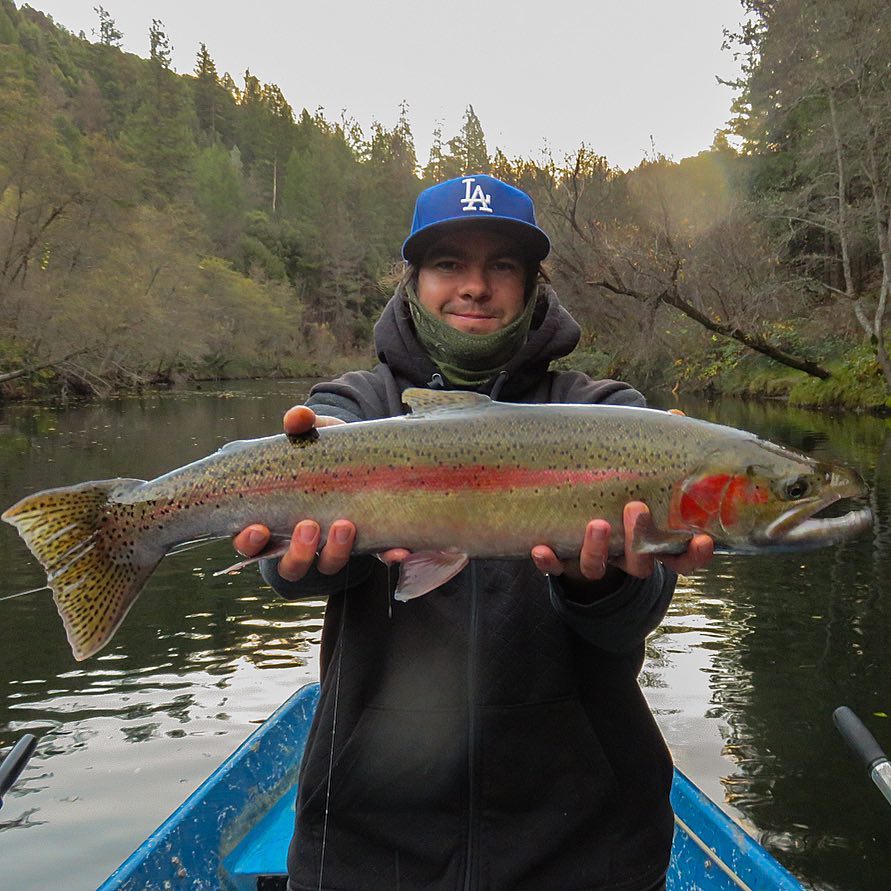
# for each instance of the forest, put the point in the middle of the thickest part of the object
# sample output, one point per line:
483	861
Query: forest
158	227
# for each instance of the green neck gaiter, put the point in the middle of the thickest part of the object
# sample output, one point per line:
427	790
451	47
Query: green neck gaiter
468	360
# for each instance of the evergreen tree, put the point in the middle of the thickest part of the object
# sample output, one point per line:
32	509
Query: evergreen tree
468	151
8	30
161	131
207	92
393	179
435	171
815	109
160	49
265	137
280	122
109	35
252	134
219	192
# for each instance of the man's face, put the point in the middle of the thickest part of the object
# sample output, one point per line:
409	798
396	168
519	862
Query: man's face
473	280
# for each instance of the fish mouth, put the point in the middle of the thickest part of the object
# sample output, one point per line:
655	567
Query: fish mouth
819	531
802	526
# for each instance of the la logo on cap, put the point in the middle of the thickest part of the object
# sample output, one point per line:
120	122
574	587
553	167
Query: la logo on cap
477	199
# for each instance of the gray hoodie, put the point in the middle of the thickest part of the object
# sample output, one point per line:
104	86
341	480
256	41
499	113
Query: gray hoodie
491	734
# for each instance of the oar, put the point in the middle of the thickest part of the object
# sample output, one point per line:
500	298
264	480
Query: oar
14	763
864	746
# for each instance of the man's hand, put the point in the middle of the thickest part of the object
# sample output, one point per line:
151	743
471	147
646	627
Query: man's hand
593	560
303	550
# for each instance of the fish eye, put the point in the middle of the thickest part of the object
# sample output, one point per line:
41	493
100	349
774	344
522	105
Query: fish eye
797	488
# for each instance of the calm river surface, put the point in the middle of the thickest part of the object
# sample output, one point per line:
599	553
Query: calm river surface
743	675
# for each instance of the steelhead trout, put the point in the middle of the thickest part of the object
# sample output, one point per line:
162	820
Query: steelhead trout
459	477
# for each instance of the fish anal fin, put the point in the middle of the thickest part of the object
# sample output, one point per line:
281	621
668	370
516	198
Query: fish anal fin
427	402
423	571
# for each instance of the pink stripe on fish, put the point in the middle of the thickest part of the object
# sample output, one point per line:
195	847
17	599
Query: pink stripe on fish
444	479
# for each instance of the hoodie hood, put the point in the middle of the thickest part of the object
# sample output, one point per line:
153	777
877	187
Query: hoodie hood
553	334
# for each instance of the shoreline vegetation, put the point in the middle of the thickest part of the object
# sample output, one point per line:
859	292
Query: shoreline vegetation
158	227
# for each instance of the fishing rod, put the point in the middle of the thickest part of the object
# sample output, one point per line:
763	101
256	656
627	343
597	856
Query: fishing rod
864	745
14	763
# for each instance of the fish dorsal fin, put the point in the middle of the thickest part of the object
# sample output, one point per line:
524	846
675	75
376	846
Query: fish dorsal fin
428	402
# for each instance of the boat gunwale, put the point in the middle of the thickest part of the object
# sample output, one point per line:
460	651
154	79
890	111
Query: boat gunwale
708	843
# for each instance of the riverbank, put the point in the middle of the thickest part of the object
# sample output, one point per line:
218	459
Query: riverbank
856	384
61	386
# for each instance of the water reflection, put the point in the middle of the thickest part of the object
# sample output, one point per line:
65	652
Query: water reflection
743	675
199	662
793	637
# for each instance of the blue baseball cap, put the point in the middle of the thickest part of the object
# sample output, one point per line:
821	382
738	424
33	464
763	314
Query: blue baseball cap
481	199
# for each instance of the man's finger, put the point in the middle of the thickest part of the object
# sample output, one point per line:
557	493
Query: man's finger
336	552
595	550
636	520
251	540
298	420
301	552
698	554
547	561
301	418
394	555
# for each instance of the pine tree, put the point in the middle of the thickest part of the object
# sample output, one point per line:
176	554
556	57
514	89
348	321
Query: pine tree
219	192
8	32
160	49
392	171
207	92
161	131
109	35
436	162
467	151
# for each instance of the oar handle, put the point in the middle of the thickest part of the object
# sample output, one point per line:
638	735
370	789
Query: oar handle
14	763
861	742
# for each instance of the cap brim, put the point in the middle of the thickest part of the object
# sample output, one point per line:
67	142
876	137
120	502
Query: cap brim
532	240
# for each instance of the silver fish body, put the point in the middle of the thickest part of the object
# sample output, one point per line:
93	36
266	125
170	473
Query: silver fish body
460	477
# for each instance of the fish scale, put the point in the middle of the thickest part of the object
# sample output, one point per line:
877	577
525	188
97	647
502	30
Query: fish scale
460	477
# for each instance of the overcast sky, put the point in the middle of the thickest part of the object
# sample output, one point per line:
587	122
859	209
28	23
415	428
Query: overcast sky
609	73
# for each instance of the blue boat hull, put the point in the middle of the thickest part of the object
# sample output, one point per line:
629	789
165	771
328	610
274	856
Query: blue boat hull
235	828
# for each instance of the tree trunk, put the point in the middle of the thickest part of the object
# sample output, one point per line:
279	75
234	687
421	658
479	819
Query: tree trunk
21	372
752	341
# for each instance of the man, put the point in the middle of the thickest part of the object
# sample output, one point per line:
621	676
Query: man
492	733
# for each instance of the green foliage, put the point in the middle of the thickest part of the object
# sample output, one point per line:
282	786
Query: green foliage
718	362
160	133
155	225
856	383
109	35
814	112
215	101
159	44
468	150
8	32
219	192
255	259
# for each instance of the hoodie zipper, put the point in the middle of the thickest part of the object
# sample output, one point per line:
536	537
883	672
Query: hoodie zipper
471	867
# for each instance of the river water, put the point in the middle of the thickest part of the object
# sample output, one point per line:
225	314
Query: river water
743	675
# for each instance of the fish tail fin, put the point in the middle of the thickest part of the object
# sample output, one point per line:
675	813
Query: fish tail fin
95	558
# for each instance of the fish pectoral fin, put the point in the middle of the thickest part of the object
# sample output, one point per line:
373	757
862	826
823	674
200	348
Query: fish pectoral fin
649	539
421	572
277	547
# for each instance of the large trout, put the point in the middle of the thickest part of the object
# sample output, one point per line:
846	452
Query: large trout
459	477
